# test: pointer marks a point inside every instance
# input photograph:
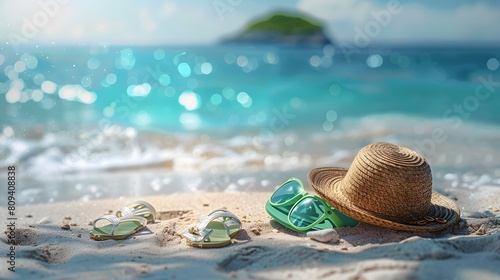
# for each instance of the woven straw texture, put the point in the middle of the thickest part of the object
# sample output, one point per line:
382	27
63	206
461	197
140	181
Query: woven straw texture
387	185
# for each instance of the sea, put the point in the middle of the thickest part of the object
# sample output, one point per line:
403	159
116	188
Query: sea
80	123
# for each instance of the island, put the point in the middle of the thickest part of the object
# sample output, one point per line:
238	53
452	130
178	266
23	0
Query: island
282	28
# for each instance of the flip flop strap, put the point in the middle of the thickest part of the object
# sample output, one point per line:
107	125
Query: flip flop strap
193	234
124	211
200	232
228	219
140	208
115	221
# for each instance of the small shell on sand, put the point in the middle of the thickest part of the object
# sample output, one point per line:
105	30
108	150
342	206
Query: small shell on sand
44	221
325	235
481	230
256	231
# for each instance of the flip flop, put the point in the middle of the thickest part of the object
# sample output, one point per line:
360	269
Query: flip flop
119	227
208	233
138	208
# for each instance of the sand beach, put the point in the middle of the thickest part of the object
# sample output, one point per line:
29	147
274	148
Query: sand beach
263	249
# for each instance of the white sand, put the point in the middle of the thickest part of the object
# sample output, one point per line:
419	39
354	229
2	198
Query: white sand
262	250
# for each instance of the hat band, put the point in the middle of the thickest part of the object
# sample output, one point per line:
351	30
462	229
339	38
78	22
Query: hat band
408	220
427	219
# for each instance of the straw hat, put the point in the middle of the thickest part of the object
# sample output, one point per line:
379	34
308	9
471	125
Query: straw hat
389	186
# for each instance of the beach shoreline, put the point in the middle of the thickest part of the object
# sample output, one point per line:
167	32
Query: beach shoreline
262	250
93	118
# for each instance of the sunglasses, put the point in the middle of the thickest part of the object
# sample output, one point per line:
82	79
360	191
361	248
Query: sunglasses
304	211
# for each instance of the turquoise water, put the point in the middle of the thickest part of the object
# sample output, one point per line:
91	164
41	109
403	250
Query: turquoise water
230	86
238	117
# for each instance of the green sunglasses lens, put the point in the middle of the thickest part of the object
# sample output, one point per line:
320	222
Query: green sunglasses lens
286	192
306	212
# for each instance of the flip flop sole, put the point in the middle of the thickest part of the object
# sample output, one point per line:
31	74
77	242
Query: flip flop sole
122	231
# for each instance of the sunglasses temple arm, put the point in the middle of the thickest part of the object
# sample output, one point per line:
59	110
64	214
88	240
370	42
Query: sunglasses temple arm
335	219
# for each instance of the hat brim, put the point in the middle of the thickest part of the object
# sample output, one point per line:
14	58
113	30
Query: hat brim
326	181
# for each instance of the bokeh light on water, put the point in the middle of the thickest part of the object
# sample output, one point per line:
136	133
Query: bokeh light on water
190	100
228	86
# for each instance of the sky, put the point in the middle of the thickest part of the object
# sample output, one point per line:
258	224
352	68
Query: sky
186	22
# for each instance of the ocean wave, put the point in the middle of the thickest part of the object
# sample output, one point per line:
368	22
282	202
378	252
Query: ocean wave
116	147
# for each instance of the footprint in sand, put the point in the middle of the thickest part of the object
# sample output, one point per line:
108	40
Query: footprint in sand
244	257
48	253
23	237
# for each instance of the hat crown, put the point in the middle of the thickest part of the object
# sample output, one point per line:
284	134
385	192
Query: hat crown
390	181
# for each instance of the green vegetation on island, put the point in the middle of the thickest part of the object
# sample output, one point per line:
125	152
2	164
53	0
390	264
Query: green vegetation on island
285	24
282	28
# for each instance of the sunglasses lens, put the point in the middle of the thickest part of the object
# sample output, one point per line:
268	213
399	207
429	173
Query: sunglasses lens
286	192
306	212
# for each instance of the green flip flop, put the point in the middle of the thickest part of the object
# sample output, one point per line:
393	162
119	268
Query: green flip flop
209	233
118	228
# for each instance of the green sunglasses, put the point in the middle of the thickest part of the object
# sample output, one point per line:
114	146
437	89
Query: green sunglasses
294	208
